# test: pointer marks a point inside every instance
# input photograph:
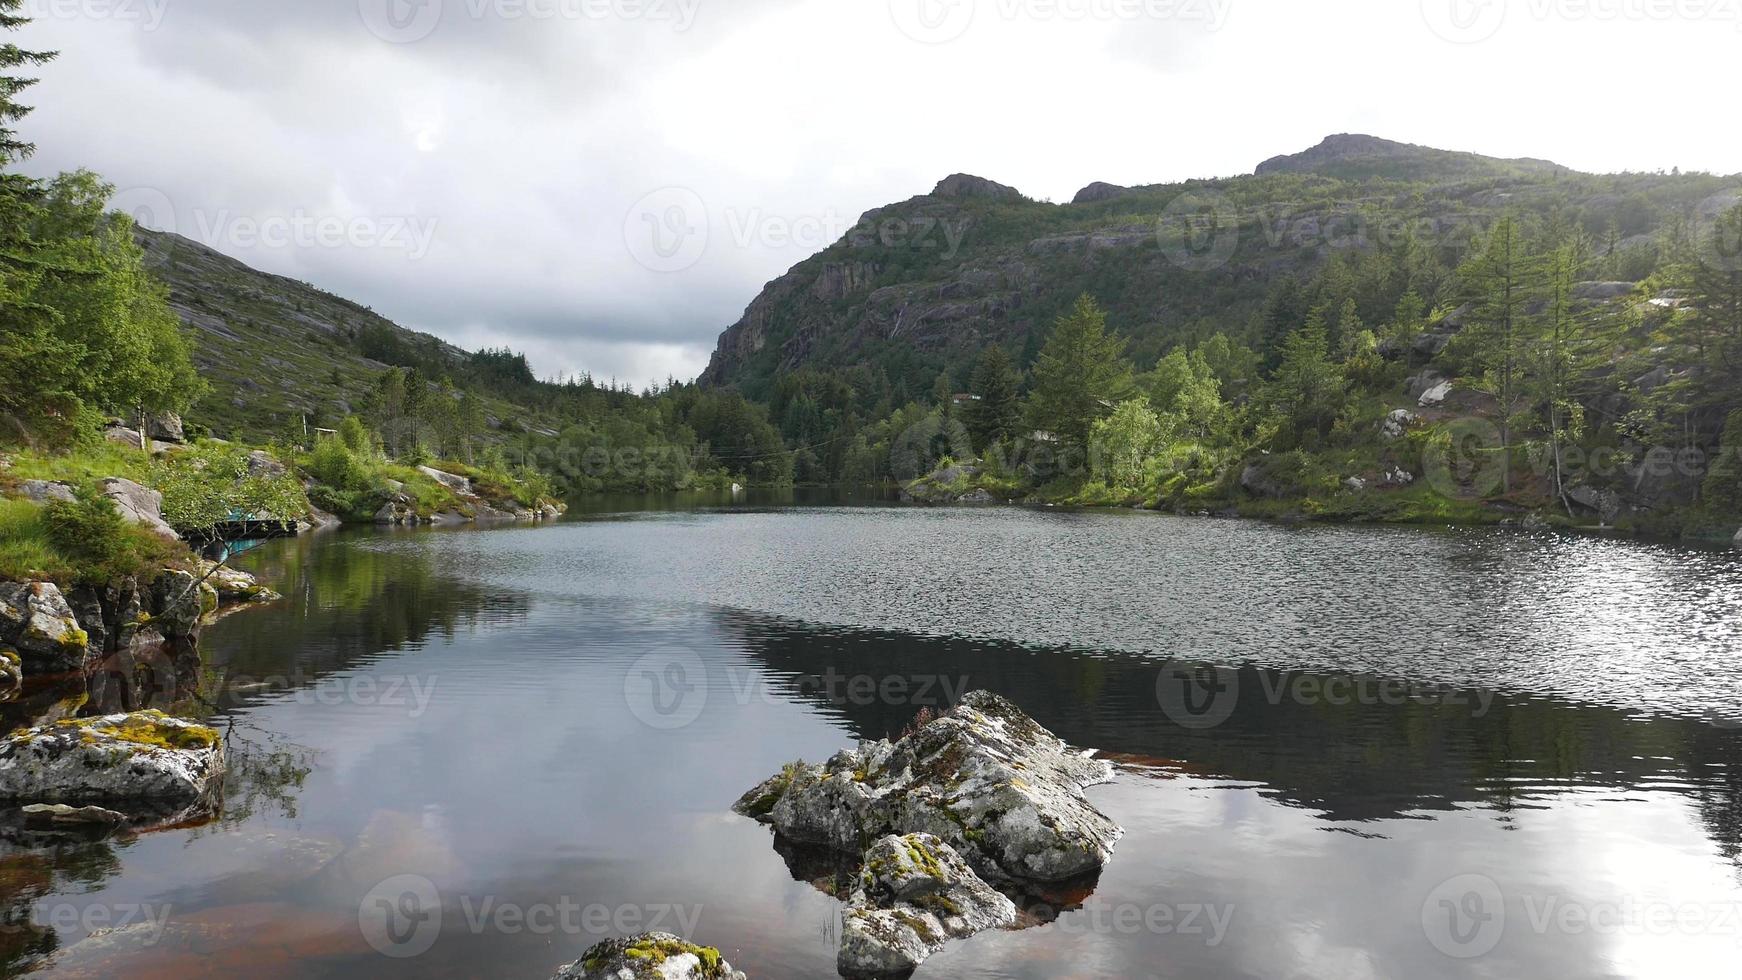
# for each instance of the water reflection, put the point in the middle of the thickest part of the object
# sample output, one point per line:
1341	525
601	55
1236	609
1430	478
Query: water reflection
531	775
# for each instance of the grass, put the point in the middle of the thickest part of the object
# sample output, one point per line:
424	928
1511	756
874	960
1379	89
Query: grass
86	464
25	549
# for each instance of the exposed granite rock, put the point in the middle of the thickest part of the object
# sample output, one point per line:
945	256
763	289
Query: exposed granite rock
139	505
44	491
1397	423
121	435
1737	540
36	621
145	756
61	815
649	956
458	484
166	427
1435	395
969	186
1004	792
178	600
1606	504
1099	191
235	586
915	894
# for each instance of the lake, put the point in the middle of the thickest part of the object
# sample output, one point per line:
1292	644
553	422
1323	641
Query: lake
1342	752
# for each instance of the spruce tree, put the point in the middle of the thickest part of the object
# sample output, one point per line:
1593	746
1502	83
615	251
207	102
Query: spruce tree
996	415
1080	376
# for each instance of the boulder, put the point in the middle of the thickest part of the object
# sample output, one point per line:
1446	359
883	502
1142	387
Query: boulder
1607	504
396	511
234	586
1354	484
36	621
139	505
144	757
649	956
1397	423
44	491
121	435
985	778
61	815
915	894
458	484
262	463
1737	540
1431	345
1397	477
1437	394
165	427
178	600
1419	385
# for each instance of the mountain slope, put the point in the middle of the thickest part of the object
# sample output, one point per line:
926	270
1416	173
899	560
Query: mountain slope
924	285
275	350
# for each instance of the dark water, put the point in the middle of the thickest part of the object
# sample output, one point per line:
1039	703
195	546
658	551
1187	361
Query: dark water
1342	752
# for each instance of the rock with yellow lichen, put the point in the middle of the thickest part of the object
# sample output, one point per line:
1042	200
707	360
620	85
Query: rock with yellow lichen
915	894
145	762
650	956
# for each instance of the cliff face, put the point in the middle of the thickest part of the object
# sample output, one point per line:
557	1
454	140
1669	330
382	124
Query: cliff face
927	283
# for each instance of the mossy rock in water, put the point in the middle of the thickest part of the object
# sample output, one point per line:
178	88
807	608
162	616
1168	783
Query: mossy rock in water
175	765
650	956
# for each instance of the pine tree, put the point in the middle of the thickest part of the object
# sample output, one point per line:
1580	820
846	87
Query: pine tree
1309	389
995	415
1500	282
1080	375
12	147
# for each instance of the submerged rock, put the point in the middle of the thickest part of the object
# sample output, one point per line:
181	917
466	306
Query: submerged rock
36	620
649	956
142	757
985	778
61	815
916	893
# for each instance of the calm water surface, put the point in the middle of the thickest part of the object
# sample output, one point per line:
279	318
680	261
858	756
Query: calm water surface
1342	752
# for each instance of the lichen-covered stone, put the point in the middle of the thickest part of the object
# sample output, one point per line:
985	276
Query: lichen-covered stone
36	620
915	894
984	777
144	756
650	956
234	586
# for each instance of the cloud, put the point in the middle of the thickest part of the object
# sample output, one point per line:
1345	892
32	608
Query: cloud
607	183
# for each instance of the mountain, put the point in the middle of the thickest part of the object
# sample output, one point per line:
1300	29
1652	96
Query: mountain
276	350
1355	157
925	284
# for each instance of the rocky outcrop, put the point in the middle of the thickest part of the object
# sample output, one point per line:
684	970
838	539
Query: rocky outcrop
120	434
649	956
141	762
37	622
1606	504
985	778
1099	191
165	427
915	894
1398	423
139	505
44	491
1436	395
969	186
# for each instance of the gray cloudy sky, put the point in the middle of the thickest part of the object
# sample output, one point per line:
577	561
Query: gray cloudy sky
606	183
